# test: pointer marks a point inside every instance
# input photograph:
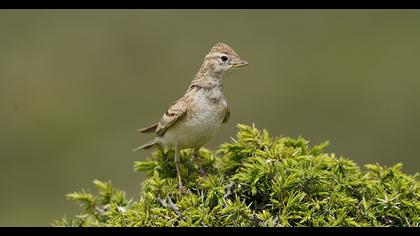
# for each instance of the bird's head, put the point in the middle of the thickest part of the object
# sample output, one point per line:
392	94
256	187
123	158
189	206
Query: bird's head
220	60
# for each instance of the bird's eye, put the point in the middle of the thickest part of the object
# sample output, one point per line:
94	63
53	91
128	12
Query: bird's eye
224	58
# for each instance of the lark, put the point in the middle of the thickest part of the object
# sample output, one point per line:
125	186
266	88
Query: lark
196	117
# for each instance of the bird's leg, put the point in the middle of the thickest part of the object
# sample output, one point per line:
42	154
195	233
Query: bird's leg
196	157
177	168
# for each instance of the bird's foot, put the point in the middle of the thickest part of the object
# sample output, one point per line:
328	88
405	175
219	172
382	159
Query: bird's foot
182	189
201	171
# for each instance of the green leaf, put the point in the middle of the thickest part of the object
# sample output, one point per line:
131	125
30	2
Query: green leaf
255	180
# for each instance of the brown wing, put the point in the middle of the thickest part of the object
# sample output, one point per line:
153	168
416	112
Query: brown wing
174	113
149	129
227	115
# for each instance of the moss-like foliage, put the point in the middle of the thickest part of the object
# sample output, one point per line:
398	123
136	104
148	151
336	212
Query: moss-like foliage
257	180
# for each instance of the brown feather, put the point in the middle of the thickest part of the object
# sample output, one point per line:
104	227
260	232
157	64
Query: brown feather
149	129
146	145
227	115
174	113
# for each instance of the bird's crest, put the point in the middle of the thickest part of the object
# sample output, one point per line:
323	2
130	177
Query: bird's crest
223	48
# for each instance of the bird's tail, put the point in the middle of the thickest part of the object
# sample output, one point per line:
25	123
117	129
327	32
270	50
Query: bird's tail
146	145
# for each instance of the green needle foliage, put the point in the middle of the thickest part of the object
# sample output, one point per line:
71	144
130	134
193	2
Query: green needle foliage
257	180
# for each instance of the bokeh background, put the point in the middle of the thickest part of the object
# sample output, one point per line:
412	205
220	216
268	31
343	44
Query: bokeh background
76	84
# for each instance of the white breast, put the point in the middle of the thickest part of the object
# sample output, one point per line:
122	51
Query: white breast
202	121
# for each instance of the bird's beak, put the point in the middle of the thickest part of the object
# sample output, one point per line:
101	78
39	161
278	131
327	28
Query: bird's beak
239	63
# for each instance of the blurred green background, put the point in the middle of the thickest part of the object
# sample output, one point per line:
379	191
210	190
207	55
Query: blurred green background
76	84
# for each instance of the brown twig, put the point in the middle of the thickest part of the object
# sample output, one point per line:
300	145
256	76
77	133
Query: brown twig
172	206
229	190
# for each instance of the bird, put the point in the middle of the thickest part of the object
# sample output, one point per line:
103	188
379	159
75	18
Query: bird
192	120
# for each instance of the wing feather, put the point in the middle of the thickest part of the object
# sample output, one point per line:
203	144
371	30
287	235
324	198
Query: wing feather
227	115
174	113
150	129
